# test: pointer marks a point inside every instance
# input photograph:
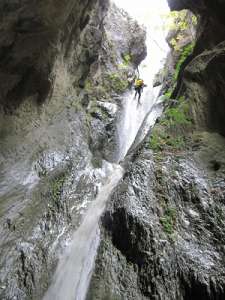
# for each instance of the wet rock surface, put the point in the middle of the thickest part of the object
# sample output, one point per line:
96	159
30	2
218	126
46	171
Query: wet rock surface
201	77
162	233
63	73
60	100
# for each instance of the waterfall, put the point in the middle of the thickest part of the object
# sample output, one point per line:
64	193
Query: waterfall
73	274
133	118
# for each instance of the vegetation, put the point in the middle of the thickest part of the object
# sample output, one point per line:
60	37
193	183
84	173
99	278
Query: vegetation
168	94
178	115
117	84
167	136
126	61
176	20
160	140
187	50
56	188
179	22
168	221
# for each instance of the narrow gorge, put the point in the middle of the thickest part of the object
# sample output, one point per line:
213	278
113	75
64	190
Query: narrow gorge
103	198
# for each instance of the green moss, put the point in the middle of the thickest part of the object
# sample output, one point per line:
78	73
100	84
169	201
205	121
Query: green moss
117	83
88	86
127	59
168	221
177	116
168	94
157	141
160	141
187	50
56	189
177	143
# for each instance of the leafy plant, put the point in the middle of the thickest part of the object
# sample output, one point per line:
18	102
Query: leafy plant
178	115
127	59
185	53
167	94
117	83
194	20
176	142
168	221
177	20
157	141
187	50
56	189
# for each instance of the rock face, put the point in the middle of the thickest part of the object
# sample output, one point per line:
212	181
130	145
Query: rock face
203	73
32	36
64	67
163	230
62	76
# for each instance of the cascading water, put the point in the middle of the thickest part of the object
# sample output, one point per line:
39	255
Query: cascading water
73	273
74	270
135	117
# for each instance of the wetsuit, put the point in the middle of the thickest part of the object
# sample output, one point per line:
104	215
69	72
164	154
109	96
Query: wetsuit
139	84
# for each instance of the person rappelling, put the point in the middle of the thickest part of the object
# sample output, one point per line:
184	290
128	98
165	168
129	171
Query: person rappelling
138	87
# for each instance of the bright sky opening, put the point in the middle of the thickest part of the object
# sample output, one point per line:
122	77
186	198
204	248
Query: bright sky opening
150	13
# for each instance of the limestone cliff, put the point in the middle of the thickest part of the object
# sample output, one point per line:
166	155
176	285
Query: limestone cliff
63	68
163	230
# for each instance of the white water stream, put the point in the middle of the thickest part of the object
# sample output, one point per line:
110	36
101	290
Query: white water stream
72	277
73	273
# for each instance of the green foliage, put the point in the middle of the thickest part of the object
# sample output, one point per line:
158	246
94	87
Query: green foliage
160	141
174	116
168	221
177	20
185	53
177	143
127	59
194	20
157	141
168	94
187	50
178	115
181	24
175	42
56	188
117	83
88	86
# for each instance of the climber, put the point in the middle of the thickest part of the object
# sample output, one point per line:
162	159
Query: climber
138	86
